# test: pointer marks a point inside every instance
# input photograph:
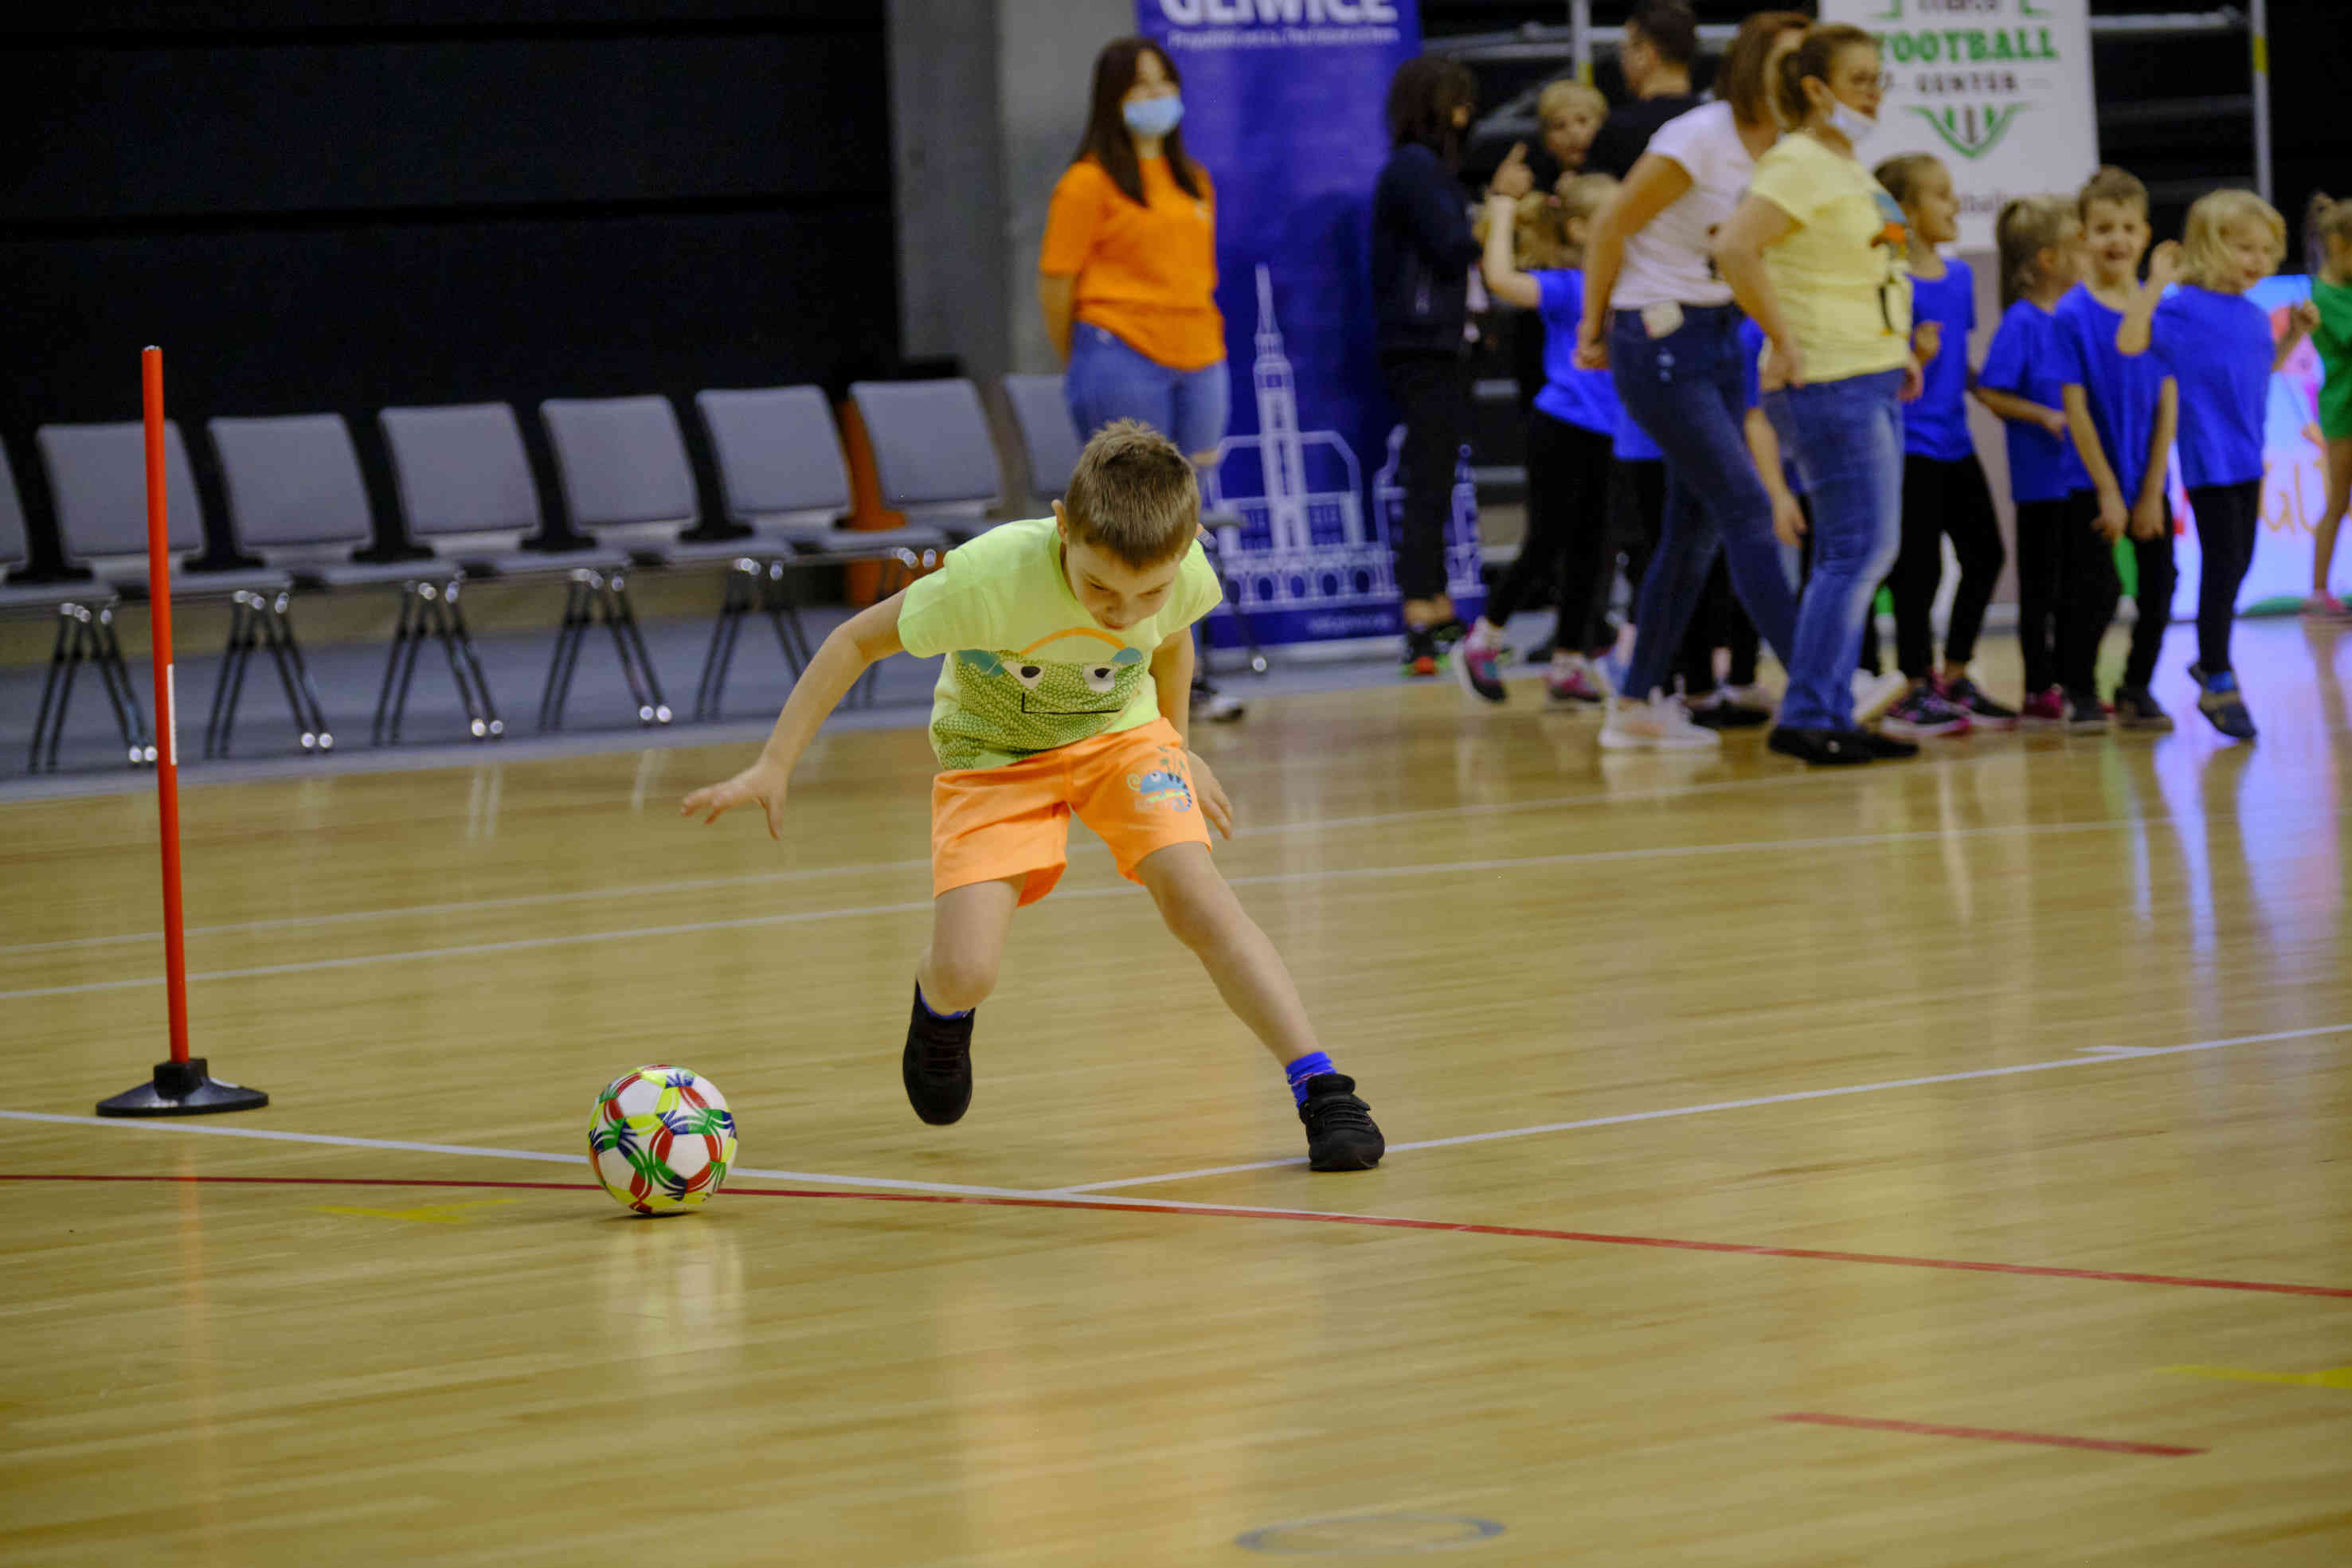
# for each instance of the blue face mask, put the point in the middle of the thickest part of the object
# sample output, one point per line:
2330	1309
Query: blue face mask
1152	116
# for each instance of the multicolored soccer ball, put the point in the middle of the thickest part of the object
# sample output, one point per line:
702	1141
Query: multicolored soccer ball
660	1139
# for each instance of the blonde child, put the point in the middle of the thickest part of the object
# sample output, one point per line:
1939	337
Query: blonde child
1064	691
2329	225
1569	113
1534	259
2064	570
1944	490
2121	412
2217	345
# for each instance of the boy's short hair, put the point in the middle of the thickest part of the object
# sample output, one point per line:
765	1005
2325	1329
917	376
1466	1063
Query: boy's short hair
1556	95
1669	27
2110	184
1133	495
2211	218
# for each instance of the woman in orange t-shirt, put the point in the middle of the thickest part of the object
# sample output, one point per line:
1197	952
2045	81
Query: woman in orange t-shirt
1128	273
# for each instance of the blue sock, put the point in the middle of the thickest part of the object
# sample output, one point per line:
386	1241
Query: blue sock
933	1011
1304	1068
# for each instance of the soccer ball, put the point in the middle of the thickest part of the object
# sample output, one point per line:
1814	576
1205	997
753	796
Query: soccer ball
660	1139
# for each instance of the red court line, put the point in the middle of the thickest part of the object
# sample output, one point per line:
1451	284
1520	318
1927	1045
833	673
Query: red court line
1601	1239
1989	1434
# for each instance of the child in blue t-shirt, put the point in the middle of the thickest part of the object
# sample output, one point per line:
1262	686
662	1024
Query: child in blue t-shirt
2122	414
1570	432
2065	571
1944	490
2217	345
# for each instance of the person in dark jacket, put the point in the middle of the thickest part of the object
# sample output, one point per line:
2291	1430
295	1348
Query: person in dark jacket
1661	41
1422	251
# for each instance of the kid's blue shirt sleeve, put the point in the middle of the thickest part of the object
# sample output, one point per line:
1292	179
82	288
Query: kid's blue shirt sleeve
1559	298
2005	367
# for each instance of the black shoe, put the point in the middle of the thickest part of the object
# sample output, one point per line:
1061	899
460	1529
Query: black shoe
1716	711
936	1065
1885	748
1420	653
2137	708
2219	699
1340	1135
1828	748
2084	712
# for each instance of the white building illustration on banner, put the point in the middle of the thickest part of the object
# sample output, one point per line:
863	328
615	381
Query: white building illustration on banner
1301	541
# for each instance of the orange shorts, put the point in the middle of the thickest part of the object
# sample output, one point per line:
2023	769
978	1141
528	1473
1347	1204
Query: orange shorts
1135	789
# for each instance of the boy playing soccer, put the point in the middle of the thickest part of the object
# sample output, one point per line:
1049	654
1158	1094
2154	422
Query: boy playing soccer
1066	688
2122	411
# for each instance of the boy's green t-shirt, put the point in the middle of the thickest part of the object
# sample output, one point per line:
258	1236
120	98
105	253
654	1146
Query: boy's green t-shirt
1027	668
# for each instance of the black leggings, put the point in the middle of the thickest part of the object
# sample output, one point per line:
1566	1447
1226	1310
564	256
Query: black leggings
2229	519
1432	393
2087	576
1943	498
2040	596
1637	506
1567	537
2158	577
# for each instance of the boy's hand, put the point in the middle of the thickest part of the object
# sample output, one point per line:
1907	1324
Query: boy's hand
763	781
2150	518
2113	516
2164	267
1787	520
1218	809
2054	420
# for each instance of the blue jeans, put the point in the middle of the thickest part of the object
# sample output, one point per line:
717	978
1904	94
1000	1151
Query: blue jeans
1686	392
1108	379
1846	439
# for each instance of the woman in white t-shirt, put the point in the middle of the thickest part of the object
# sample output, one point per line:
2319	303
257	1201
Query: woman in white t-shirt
1658	316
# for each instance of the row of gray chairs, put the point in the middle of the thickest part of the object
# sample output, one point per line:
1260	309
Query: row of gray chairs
297	501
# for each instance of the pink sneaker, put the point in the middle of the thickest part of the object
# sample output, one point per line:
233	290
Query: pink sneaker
2324	607
2045	707
1576	686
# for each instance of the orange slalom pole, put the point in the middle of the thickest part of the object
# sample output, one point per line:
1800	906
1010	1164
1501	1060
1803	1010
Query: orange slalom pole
167	756
182	1085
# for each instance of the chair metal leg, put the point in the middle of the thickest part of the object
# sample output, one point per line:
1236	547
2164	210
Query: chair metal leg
218	716
68	631
742	578
309	713
107	654
429	619
551	707
636	658
400	636
484	722
73	655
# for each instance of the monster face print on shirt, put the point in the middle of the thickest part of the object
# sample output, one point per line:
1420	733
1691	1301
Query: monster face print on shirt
1067	688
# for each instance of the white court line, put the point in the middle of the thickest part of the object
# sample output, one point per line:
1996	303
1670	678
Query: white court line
1263	879
2090	1056
1269	829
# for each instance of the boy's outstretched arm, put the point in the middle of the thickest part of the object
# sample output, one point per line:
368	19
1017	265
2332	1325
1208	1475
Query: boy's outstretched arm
865	638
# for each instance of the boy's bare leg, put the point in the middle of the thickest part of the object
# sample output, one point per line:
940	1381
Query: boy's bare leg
1202	911
969	924
954	976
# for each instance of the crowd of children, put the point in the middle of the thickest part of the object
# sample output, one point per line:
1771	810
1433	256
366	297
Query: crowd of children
2101	377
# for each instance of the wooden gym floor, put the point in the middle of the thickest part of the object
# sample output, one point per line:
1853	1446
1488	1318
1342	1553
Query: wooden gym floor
1942	1162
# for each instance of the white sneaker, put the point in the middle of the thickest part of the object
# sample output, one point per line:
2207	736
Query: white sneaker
1662	724
1874	694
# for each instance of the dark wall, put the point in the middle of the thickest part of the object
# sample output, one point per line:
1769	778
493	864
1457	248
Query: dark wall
452	201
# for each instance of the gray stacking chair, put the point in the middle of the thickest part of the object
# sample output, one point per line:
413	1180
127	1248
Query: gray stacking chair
781	475
465	488
1050	446
297	500
933	455
98	481
85	612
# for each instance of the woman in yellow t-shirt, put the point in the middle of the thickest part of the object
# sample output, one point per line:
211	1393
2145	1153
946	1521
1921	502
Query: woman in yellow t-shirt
1818	253
1128	273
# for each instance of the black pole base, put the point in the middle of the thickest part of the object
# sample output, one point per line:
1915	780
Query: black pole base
182	1089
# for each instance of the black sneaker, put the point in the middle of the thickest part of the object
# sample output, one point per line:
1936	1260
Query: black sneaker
1420	653
1886	748
936	1065
2137	708
1340	1135
1718	711
2219	699
1824	747
2084	712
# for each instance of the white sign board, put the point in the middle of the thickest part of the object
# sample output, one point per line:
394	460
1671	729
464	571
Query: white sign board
1998	89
